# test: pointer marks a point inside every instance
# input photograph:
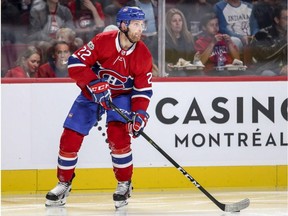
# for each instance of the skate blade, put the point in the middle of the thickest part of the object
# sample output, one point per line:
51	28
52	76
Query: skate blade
58	203
120	204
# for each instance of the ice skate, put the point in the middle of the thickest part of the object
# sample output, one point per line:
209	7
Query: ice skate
122	193
57	196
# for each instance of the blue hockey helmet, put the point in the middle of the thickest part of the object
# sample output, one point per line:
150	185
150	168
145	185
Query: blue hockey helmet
126	14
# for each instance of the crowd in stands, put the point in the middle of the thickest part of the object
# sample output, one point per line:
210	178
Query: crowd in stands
37	36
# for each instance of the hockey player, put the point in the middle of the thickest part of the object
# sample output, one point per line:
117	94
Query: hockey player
115	66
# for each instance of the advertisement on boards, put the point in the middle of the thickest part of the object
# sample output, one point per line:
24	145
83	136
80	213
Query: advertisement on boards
196	123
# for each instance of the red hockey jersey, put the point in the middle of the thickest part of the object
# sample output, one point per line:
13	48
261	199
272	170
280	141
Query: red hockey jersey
126	71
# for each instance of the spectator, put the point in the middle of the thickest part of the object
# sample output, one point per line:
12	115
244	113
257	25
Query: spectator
173	4
57	63
111	10
46	17
20	19
211	44
27	64
24	6
194	11
234	18
65	2
88	18
43	47
262	13
270	45
179	41
69	36
10	16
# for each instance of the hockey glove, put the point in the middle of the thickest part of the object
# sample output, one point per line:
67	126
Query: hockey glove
100	92
139	120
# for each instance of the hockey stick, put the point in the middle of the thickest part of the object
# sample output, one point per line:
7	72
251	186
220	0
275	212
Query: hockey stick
233	207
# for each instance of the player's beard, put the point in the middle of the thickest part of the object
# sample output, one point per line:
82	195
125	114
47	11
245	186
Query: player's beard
135	37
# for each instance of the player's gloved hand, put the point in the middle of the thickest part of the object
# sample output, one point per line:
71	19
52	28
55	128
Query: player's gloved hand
139	120
100	92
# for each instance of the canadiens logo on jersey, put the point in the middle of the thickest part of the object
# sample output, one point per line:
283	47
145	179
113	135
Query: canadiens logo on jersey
115	80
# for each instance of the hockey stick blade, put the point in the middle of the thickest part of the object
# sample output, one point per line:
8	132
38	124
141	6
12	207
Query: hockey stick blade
233	207
238	206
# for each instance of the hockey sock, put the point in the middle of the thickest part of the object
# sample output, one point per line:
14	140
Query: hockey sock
121	154
70	144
